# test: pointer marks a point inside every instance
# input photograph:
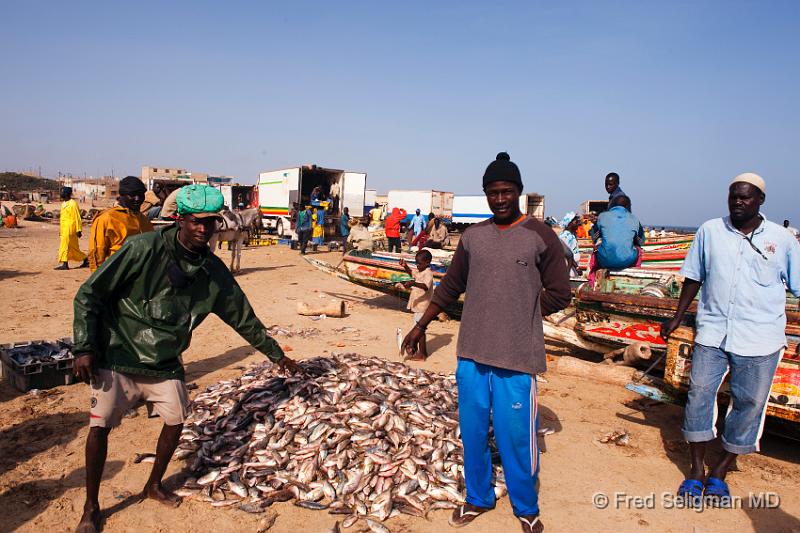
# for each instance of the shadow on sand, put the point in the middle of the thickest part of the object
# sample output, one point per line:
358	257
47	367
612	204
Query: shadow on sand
385	301
198	369
31	498
8	274
22	441
250	270
668	418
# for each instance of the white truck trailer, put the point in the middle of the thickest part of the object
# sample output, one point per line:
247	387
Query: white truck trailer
470	209
439	203
279	189
370	198
235	194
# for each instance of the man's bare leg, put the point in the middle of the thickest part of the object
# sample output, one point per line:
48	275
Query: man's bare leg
722	467
167	442
96	450
698	452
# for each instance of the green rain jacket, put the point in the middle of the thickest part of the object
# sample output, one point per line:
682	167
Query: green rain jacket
132	319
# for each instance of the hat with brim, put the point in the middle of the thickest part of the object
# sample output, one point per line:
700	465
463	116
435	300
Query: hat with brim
206	215
753	179
200	201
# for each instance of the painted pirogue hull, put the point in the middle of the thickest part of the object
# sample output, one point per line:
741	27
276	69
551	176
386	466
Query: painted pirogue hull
612	314
381	271
659	254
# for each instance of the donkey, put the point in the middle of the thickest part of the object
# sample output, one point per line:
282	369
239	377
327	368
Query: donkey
234	228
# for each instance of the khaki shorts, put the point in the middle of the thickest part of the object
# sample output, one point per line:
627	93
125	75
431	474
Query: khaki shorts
113	394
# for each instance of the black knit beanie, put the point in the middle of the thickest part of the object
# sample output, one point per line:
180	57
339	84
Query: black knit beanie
131	185
502	169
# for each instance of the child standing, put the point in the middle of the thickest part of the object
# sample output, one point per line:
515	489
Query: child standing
421	294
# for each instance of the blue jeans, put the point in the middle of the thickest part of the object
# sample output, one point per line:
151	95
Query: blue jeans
750	383
508	399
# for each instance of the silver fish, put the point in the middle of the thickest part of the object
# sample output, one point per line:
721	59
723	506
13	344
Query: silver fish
357	436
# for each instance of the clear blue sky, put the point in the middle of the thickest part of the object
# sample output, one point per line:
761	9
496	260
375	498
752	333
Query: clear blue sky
677	97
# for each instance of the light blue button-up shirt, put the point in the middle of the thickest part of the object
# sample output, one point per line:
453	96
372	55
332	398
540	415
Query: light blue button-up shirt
742	306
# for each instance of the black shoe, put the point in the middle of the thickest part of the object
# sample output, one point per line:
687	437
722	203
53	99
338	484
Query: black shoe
62	266
85	264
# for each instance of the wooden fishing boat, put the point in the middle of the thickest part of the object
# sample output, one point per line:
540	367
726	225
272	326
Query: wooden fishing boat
629	306
381	271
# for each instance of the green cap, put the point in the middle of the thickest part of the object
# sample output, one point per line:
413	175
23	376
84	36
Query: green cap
199	200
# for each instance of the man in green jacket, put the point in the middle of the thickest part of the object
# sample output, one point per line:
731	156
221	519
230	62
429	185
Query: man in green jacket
134	317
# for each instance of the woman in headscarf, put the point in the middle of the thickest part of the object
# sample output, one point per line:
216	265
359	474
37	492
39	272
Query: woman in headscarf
569	224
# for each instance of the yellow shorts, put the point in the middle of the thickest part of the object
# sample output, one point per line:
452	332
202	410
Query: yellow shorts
113	394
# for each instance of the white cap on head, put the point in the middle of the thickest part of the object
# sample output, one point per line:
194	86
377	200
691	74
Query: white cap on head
753	179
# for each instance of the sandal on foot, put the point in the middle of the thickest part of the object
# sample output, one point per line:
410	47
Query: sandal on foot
718	491
531	524
691	488
464	514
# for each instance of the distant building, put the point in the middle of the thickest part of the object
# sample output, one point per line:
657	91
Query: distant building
105	188
163	173
173	178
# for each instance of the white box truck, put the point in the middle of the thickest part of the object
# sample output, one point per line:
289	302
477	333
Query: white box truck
370	198
279	189
437	202
470	209
236	194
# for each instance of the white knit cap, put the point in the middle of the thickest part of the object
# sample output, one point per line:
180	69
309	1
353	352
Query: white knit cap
753	179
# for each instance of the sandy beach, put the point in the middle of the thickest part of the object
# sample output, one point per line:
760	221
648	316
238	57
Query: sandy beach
42	436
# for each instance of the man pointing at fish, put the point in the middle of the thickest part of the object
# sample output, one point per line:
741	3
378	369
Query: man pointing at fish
511	269
133	319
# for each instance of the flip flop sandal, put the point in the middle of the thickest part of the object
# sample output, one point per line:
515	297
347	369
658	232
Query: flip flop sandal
461	517
691	488
531	523
718	490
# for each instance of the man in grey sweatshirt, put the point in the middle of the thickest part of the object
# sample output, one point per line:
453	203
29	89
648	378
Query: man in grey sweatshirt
511	269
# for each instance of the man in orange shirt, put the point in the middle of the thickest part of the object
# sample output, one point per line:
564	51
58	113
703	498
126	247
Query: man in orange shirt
583	230
113	226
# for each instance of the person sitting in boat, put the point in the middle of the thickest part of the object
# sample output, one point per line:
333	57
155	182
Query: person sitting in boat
359	237
612	187
744	264
618	237
437	235
569	224
582	231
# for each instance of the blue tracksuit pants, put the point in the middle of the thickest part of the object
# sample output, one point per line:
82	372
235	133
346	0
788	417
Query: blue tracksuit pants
507	399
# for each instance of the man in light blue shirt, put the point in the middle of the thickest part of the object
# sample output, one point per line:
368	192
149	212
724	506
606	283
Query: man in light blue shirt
417	223
620	235
743	263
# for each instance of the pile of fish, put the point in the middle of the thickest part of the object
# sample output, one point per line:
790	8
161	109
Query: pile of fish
38	352
361	437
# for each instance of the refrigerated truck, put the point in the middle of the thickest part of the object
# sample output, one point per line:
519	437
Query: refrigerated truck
470	209
370	199
279	189
231	194
439	203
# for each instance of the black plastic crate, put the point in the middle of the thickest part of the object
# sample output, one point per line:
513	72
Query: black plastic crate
36	375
